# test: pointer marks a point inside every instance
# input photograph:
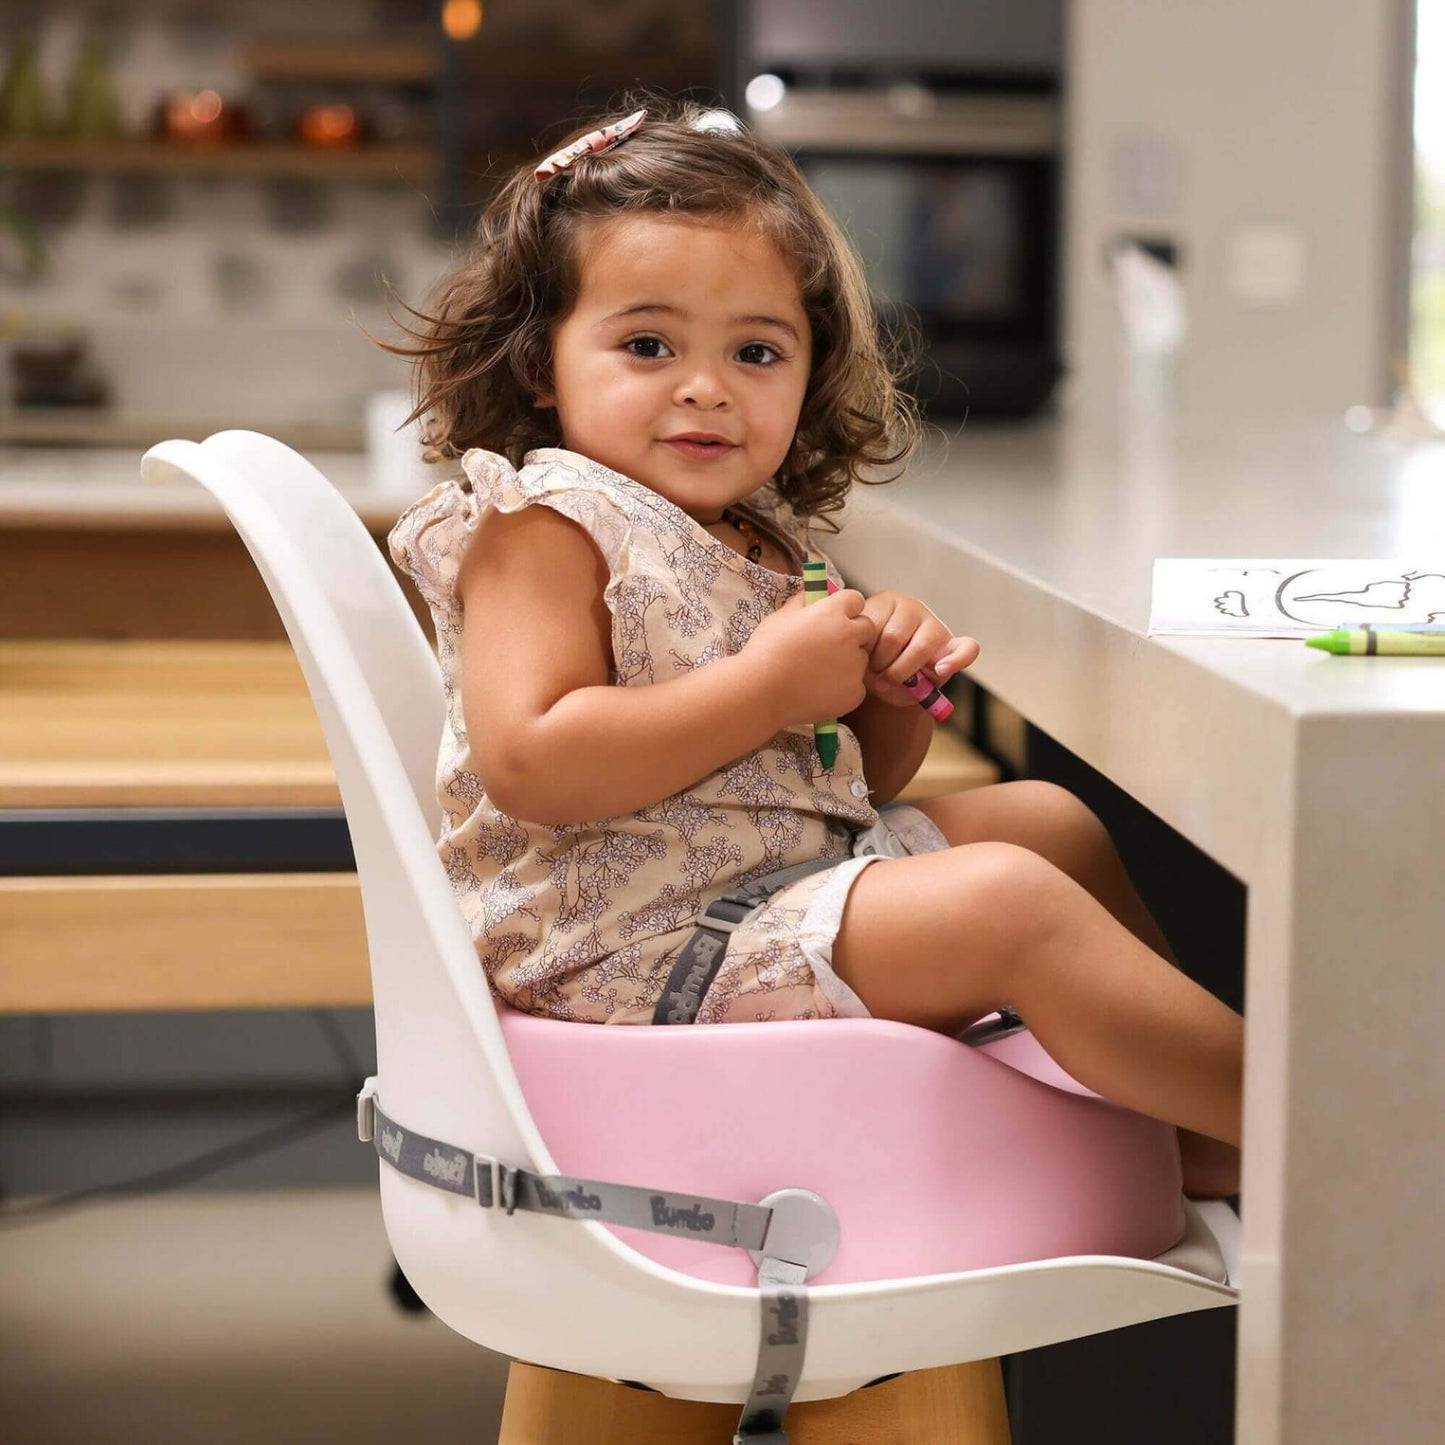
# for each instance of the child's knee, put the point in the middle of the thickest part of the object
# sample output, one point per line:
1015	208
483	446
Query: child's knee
1014	895
1073	830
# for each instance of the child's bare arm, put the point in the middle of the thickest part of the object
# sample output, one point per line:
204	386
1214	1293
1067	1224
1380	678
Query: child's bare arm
555	742
893	741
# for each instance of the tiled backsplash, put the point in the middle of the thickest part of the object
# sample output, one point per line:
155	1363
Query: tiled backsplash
210	308
219	296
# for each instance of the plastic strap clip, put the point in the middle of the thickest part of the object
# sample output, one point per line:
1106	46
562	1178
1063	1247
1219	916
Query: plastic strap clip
366	1110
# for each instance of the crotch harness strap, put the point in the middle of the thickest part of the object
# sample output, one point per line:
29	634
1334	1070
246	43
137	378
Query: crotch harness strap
703	953
801	1225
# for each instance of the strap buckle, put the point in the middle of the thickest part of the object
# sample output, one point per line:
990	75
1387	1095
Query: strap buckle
726	923
989	1029
366	1110
503	1183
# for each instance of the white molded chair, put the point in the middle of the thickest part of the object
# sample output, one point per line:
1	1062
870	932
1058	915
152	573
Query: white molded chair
987	1202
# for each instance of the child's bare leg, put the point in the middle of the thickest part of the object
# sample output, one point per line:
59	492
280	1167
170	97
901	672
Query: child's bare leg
943	938
1055	824
1052	822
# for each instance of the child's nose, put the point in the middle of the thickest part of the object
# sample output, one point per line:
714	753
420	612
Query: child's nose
704	386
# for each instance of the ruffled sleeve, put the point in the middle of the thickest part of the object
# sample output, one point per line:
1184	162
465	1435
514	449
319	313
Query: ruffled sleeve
583	491
429	539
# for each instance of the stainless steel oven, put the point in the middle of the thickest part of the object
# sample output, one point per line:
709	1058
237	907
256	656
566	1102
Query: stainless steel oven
952	198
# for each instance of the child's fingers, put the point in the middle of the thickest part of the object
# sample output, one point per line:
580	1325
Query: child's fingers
917	656
962	652
905	644
894	632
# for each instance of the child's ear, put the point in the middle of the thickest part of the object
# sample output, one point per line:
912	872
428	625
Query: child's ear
544	401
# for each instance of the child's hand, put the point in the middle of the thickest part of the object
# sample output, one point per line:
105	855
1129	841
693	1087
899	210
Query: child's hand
910	639
816	655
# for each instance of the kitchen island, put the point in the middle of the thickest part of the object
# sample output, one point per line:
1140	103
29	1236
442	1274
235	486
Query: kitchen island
1317	781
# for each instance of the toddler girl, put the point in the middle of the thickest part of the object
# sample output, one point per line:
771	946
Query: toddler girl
660	371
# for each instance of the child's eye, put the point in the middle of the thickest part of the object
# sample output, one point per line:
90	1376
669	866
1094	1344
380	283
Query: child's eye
759	353
648	347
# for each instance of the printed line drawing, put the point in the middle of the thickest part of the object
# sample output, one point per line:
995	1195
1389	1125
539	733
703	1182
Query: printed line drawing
1390	594
1287	598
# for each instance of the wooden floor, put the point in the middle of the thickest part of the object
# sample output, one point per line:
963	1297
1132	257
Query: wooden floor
956	1405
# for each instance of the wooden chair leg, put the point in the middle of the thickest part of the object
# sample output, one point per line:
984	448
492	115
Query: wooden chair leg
956	1405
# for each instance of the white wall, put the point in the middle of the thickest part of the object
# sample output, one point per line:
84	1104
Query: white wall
1201	120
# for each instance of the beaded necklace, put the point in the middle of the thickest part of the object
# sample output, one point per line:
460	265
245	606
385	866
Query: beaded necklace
749	532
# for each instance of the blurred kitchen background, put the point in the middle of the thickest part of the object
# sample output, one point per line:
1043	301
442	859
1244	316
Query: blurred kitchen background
204	200
1228	211
201	204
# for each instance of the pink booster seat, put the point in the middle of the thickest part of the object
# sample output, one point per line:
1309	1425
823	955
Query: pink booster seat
936	1157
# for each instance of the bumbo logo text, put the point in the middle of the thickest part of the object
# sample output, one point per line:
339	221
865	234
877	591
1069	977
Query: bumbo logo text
785	1315
567	1199
670	1218
448	1171
689	993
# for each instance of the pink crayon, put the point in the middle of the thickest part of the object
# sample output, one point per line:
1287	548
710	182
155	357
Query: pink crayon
929	698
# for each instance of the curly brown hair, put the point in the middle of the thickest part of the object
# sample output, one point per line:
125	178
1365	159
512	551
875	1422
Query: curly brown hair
483	351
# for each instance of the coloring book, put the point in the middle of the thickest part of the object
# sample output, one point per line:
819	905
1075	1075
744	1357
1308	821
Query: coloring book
1242	597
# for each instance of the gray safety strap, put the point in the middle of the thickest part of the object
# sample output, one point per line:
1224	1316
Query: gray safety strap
702	955
492	1184
780	1353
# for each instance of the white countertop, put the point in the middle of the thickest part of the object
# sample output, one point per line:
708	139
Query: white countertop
1078	508
1316	780
1082	510
101	487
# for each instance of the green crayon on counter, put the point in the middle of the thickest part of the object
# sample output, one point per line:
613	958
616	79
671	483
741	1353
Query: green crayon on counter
825	734
1367	640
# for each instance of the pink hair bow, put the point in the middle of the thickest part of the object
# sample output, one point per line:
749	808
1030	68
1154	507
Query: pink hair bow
593	143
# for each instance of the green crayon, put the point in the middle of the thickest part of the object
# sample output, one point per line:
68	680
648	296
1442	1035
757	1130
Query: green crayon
825	734
1367	640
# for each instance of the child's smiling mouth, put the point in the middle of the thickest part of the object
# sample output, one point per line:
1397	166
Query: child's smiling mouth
701	446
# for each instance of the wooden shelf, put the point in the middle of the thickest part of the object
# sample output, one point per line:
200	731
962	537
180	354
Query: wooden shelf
952	765
405	61
268	940
261	158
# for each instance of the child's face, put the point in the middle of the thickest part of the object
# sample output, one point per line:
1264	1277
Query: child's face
682	330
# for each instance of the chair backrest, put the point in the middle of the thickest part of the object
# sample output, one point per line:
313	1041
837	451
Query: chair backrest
377	689
385	638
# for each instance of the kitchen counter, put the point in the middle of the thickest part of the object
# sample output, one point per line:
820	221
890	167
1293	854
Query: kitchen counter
43	487
1317	781
1085	510
89	551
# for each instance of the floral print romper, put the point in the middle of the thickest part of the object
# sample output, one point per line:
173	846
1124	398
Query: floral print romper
584	921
